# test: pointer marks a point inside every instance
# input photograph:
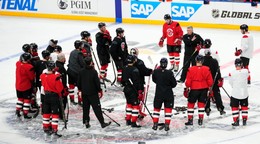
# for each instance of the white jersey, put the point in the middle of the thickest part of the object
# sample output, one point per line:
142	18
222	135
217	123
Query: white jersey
238	82
54	56
247	45
214	53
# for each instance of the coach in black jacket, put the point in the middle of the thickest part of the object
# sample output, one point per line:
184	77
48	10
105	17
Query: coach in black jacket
89	86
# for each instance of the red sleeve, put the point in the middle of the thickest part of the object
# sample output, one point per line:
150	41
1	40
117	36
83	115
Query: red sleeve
188	78
179	31
30	72
164	32
58	85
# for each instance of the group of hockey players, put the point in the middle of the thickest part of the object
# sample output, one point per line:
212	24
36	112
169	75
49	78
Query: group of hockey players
200	73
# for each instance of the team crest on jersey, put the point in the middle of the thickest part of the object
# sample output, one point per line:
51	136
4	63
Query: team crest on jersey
169	32
123	46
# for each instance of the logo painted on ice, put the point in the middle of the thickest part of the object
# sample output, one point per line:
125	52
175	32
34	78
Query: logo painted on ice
21	5
184	11
63	4
142	9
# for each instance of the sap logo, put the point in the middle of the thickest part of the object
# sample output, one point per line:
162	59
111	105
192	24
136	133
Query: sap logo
184	11
142	9
19	5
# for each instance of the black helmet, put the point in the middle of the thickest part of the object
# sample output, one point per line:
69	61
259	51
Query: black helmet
34	47
163	63
51	65
130	59
53	42
119	31
26	56
101	24
77	44
207	43
199	58
244	27
45	53
26	48
238	62
84	34
88	60
58	48
167	16
207	52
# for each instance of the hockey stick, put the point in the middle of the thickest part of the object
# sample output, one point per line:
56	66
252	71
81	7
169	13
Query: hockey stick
108	109
141	101
114	70
210	89
63	113
187	62
226	92
111	118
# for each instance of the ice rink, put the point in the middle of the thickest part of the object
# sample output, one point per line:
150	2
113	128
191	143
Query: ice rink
17	31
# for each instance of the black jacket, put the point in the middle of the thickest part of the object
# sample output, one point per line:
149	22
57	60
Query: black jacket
190	45
213	66
88	81
50	49
39	67
132	73
102	44
76	62
118	49
63	73
165	81
143	70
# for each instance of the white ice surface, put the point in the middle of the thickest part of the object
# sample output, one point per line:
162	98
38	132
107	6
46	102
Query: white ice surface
17	31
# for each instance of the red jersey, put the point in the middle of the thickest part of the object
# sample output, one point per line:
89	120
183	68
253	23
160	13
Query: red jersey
52	83
24	76
199	77
173	32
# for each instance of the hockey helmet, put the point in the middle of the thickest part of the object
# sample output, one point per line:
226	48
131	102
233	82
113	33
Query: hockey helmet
134	51
88	60
84	34
77	44
26	48
50	65
130	59
207	52
163	63
244	27
53	42
199	58
101	24
58	48
45	53
207	43
167	16
238	62
34	47
26	56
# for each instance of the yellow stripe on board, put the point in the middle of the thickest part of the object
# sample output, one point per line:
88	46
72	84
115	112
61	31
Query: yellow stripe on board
57	16
194	24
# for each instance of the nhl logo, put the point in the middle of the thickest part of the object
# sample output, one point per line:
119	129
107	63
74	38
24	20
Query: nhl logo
62	4
215	13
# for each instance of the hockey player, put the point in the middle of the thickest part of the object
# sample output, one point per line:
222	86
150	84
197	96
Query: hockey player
119	52
39	67
89	87
193	42
86	43
23	84
76	63
239	94
62	71
247	48
173	32
132	90
207	45
52	87
52	44
57	50
198	81
144	71
34	53
214	69
165	81
103	40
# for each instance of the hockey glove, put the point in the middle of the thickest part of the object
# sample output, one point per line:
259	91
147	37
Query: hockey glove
177	41
161	42
100	94
238	52
140	95
220	82
210	93
198	47
186	92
